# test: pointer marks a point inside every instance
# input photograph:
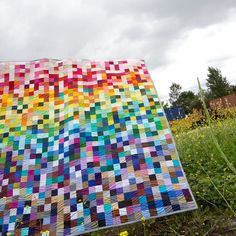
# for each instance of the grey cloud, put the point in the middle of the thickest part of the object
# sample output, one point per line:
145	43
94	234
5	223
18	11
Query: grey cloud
102	29
169	20
188	12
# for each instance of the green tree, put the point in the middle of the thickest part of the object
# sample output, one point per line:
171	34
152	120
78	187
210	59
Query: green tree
188	101
175	90
217	85
233	88
165	105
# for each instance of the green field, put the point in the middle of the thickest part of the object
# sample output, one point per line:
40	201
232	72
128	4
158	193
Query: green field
203	165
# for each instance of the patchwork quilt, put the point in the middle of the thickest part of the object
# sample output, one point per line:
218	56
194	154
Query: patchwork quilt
84	145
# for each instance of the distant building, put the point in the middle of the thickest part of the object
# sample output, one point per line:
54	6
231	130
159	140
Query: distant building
174	113
225	102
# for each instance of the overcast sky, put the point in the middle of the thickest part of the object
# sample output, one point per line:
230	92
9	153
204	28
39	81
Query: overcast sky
177	39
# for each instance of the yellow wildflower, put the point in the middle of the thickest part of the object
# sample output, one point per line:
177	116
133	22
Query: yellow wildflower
45	232
124	233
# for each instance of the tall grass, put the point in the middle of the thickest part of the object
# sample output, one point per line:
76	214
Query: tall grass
230	165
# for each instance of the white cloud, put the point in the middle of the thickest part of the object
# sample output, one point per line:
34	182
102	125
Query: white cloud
190	56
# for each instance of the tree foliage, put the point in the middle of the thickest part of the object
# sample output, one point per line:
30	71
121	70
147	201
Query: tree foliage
165	105
233	88
175	90
188	101
217	85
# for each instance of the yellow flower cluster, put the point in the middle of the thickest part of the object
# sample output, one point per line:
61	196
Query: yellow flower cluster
44	233
124	233
197	119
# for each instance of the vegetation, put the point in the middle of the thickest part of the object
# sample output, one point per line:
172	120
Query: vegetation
188	101
175	90
197	119
217	86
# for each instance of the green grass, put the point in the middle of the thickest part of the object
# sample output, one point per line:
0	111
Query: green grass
196	150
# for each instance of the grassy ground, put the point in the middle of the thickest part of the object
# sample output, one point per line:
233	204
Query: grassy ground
197	150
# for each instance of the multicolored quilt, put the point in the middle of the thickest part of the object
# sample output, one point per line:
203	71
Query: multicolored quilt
84	145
